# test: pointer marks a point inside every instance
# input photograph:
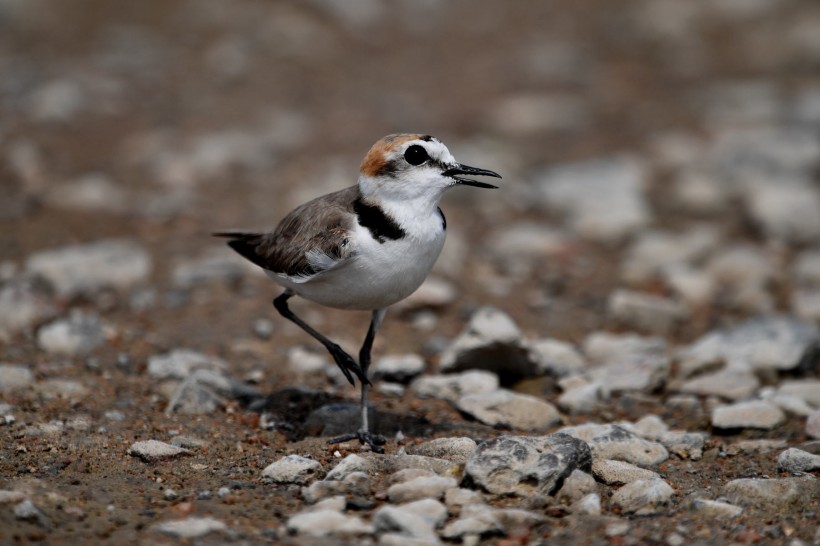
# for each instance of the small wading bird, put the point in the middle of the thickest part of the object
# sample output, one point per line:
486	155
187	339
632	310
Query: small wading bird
365	247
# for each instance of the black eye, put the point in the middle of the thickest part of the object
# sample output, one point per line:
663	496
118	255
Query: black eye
416	155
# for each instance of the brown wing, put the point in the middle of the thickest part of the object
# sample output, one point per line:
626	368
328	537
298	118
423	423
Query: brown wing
319	228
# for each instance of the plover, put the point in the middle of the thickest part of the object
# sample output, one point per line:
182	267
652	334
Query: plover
365	247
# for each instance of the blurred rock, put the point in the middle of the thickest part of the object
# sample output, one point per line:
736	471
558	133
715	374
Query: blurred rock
406	522
555	357
643	497
327	523
716	509
626	361
398	368
581	398
451	387
22	305
742	274
57	101
589	505
654	252
190	528
730	384
85	269
526	465
613	472
79	334
15	377
602	198
180	363
154	450
434	292
753	414
541	112
217	265
813	424
93	192
786	210
798	461
292	469
423	487
783	493
510	409
452	449
645	312
615	442
765	342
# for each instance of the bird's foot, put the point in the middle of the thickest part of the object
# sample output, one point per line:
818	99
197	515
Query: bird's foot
347	365
374	441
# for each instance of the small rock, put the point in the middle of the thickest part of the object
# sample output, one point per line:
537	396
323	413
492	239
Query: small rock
218	265
304	361
579	484
28	511
778	343
354	484
433	511
656	252
813	424
452	449
62	388
751	447
398	368
457	498
798	461
806	389
9	496
582	398
263	328
527	241
643	497
325	523
451	387
91	193
613	472
645	312
434	292
741	275
405	520
615	442
523	466
475	520
556	358
602	198
422	487
204	391
292	469
752	414
15	377
779	493
588	505
491	341
193	527
22	305
86	269
788	210
154	450
730	384
806	269
180	363
626	362
507	408
348	465
390	464
716	509
79	334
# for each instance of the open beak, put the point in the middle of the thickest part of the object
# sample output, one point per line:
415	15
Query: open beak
474	171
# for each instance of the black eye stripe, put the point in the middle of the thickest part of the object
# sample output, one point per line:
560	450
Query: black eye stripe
416	155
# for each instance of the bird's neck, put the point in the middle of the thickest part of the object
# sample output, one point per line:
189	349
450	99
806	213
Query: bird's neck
416	213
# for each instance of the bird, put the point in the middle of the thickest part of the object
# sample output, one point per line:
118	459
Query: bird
365	247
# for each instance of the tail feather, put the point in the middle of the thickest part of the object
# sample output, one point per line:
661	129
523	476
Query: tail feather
246	244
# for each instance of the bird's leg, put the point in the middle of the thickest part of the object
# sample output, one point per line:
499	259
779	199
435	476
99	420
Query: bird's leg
375	441
343	360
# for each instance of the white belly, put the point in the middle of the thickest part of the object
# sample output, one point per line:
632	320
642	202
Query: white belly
379	275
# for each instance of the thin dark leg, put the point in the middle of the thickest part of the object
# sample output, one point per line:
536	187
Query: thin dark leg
375	441
343	360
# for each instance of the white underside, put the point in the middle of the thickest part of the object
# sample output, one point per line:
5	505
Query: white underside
376	275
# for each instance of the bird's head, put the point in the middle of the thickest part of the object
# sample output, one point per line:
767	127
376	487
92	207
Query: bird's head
412	166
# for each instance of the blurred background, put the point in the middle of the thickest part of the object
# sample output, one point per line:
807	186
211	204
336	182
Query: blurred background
664	146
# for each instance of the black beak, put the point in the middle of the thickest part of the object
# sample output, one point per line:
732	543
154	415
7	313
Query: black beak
475	171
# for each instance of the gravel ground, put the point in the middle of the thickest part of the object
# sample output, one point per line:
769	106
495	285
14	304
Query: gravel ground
619	346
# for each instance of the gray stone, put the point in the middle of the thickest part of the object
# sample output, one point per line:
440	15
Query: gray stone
305	362
433	511
588	505
613	472
615	442
716	509
180	363
398	368
645	312
768	494
456	499
753	414
396	519
507	408
204	391
10	496
348	465
777	342
579	484
798	461
601	198
91	193
805	303
655	252
527	241
15	377
624	362
643	497
434	292
686	445
61	388
422	487
582	398
806	268
813	424
86	269
336	503
788	210
327	523
451	387
806	389
292	469
556	358
742	274
28	511
730	384
190	528
390	464
154	450
475	520
452	449
491	341
522	465
355	483
79	334
22	306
